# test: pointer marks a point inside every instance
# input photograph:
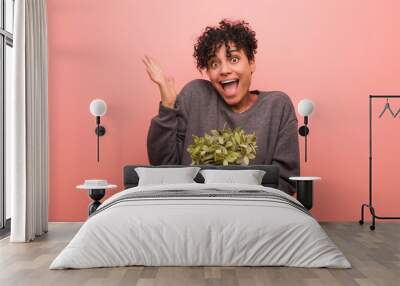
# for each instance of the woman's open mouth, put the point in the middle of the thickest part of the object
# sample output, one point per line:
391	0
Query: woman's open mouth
230	86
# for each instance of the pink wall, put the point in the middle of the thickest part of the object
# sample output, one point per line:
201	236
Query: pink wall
335	53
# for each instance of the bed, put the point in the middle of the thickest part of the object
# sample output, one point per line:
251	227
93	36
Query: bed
201	224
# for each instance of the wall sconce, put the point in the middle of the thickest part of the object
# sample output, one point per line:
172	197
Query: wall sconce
305	108
98	108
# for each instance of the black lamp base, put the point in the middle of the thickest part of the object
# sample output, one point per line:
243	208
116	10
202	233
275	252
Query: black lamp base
100	130
303	130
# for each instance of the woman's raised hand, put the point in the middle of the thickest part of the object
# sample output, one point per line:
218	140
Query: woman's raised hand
165	83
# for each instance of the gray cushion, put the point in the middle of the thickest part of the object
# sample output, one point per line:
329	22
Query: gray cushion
162	176
270	179
248	177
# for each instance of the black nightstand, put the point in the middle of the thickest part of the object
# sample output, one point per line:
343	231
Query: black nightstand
304	186
96	193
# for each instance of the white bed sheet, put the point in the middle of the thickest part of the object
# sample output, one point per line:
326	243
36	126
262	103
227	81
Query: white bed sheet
200	231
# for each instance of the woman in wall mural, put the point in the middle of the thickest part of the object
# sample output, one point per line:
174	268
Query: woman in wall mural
227	55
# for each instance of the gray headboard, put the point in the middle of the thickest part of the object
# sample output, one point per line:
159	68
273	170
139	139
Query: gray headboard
270	179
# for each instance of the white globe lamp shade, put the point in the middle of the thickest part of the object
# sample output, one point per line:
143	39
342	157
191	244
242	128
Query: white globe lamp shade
305	107
98	107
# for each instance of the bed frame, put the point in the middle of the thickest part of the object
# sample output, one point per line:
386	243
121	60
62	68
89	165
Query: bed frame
270	179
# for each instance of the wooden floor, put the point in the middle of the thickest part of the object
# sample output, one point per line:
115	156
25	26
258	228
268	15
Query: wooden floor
375	256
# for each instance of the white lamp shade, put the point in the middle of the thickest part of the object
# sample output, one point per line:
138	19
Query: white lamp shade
305	107
98	107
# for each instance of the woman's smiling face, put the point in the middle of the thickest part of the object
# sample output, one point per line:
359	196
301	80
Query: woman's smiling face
230	73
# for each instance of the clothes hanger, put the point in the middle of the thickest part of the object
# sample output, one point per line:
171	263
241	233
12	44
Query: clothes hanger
387	107
397	113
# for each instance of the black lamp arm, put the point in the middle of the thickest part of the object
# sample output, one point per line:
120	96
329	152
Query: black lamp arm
303	131
100	131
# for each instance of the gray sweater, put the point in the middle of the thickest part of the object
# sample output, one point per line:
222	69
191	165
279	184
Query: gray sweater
199	109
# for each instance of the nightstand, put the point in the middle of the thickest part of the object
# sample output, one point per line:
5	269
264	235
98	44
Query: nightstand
97	190
304	186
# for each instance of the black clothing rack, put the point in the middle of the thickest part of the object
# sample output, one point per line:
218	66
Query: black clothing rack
370	205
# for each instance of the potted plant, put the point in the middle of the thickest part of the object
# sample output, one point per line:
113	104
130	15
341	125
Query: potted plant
223	147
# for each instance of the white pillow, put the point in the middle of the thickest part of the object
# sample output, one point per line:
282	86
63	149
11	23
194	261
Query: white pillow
248	177
163	176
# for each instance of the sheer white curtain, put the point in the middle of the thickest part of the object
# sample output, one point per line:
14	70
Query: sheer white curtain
27	124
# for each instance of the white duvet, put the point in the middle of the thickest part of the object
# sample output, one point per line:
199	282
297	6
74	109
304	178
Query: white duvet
200	231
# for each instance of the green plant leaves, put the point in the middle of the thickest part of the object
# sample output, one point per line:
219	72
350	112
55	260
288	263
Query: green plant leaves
223	147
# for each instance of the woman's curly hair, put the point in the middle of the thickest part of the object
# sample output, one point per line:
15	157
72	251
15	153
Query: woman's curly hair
237	32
